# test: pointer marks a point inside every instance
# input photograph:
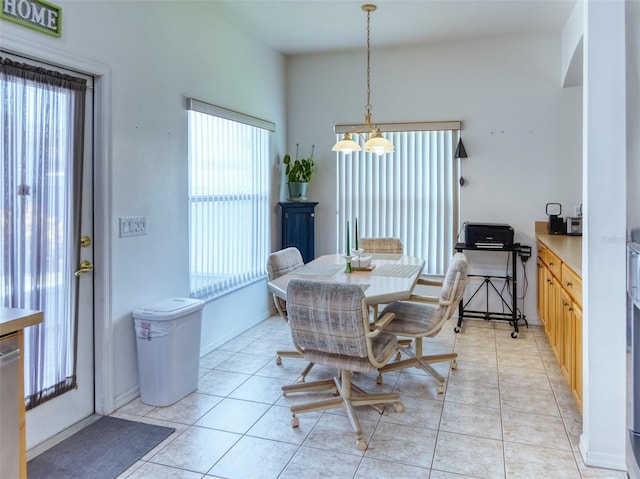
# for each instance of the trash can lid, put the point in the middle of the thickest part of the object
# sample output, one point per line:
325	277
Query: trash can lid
169	309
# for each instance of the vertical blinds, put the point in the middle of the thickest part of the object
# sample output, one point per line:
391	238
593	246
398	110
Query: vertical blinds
411	194
229	204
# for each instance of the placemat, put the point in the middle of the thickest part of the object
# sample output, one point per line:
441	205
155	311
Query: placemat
386	255
319	269
397	270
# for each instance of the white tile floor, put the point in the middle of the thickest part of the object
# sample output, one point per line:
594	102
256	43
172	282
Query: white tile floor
506	413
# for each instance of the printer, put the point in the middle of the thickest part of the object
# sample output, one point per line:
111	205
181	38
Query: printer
488	235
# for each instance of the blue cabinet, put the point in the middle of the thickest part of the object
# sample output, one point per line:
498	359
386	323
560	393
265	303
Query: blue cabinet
298	230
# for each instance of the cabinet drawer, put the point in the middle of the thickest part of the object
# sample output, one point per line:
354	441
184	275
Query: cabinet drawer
572	283
542	253
554	264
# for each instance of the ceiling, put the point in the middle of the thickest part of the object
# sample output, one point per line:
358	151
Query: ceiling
306	26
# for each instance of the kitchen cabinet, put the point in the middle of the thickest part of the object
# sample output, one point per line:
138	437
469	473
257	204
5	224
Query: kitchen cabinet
576	379
298	227
12	324
560	304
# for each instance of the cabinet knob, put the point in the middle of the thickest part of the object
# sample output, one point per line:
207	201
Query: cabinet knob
569	284
313	215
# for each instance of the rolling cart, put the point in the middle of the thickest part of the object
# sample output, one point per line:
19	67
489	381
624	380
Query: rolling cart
510	312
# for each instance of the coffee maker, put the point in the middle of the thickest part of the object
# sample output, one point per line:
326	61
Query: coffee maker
557	225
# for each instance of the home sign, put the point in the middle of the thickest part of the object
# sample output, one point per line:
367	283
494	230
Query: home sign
37	14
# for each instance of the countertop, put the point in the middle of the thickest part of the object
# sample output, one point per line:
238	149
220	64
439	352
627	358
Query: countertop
567	248
13	319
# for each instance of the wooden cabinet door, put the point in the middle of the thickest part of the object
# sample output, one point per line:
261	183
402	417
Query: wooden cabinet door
576	383
548	304
555	313
542	288
566	351
298	227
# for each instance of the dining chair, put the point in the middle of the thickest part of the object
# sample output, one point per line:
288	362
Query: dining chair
423	317
330	325
278	264
381	245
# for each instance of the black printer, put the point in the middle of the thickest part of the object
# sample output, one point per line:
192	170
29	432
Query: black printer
488	235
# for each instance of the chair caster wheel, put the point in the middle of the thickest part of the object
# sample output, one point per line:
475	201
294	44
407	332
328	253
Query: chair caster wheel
379	379
399	407
456	329
295	422
454	364
362	445
514	335
440	388
278	360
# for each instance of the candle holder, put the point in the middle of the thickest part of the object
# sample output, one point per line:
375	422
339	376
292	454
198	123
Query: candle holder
348	268
360	260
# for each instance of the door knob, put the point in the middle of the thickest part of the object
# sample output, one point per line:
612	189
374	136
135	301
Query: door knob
85	267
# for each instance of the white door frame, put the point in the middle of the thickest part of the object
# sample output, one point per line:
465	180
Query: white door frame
103	327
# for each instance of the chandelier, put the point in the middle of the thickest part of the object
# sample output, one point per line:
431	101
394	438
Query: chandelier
375	142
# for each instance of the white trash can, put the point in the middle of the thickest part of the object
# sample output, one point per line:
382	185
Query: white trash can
168	344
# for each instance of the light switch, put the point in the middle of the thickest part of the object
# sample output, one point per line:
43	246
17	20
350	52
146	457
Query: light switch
133	226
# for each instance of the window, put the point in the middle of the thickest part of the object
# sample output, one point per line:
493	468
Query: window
228	199
411	194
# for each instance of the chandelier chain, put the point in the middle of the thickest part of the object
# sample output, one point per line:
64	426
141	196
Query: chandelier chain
368	107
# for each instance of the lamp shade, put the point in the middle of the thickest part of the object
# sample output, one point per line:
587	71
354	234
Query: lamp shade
346	145
378	144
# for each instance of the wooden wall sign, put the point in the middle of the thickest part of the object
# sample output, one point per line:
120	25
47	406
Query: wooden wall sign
36	14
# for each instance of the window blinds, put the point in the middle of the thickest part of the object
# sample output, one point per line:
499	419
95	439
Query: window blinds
411	194
229	203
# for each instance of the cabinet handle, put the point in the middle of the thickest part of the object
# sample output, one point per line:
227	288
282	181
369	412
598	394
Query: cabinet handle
550	263
569	284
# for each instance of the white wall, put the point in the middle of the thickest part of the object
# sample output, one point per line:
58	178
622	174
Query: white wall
156	54
603	254
521	129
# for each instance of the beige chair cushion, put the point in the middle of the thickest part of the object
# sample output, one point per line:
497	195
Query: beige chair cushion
328	323
420	319
381	245
283	261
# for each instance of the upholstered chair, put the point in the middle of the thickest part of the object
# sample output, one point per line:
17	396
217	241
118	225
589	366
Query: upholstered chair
278	264
423	317
381	245
330	325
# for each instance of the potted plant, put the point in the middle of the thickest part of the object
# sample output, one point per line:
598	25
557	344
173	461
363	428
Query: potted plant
298	174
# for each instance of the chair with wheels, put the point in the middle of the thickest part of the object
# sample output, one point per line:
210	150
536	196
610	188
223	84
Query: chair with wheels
330	325
423	317
278	264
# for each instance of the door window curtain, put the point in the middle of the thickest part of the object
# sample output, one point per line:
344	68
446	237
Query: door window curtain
228	199
41	140
411	194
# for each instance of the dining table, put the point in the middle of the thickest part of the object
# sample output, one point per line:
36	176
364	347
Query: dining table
389	277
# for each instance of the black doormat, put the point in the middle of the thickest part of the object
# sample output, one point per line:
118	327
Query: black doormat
102	450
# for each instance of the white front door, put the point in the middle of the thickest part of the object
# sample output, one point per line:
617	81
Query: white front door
62	412
43	217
